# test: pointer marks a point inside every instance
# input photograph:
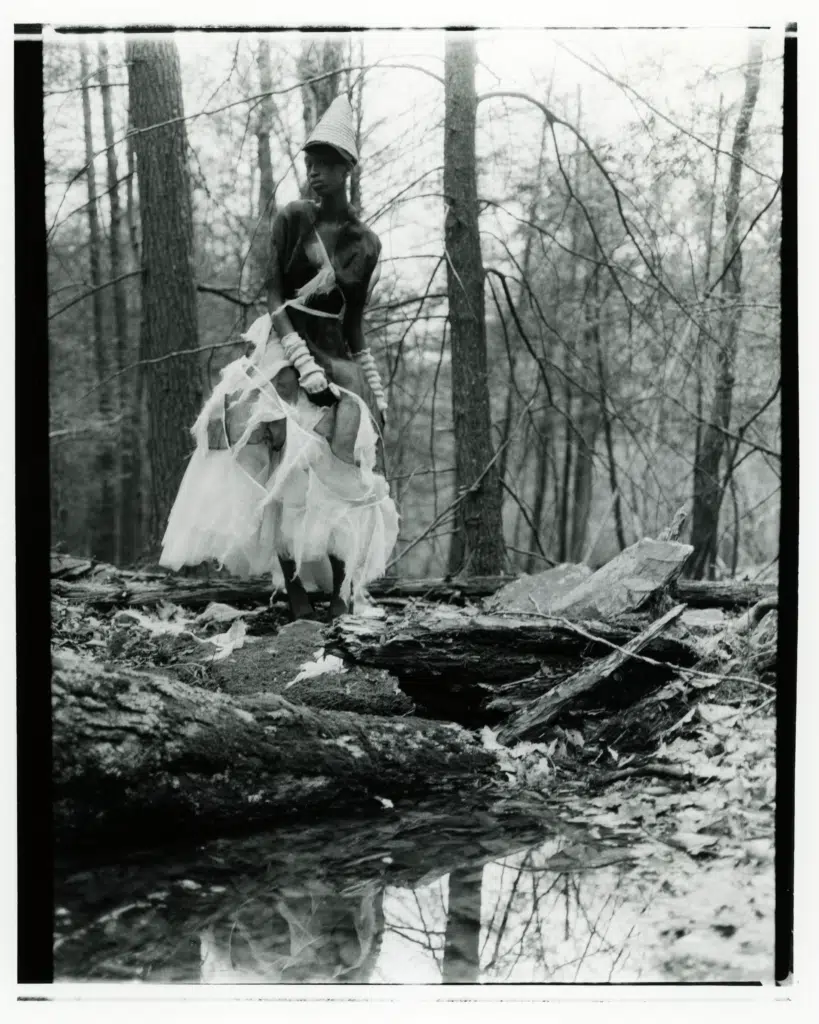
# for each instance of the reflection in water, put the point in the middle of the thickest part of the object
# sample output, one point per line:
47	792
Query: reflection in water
475	901
298	939
463	926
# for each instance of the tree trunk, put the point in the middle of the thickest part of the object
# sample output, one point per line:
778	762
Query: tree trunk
463	927
138	756
565	488
477	545
608	435
124	517
355	87
589	423
169	290
709	252
708	488
104	510
133	492
264	126
318	57
545	457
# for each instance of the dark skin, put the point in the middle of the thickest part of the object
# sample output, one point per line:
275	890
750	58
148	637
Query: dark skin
327	175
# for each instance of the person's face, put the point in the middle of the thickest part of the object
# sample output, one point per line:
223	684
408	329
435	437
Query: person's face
326	171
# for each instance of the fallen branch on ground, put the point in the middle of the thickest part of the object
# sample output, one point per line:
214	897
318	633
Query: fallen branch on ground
544	710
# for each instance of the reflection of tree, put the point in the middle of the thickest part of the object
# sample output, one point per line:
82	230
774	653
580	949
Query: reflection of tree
463	927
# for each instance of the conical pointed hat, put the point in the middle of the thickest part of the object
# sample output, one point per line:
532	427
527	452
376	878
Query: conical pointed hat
336	129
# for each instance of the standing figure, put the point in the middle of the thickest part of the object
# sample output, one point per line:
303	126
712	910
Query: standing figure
288	464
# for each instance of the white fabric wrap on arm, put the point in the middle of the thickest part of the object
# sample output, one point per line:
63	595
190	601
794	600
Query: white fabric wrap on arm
311	377
367	363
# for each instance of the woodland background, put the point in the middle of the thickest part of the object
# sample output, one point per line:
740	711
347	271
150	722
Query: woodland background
607	353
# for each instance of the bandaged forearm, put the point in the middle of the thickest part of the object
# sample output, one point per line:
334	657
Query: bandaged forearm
311	376
367	363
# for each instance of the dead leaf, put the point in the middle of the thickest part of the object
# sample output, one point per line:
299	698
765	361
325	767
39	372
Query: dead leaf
693	842
711	713
216	612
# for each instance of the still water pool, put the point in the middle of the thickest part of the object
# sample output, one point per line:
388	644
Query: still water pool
426	895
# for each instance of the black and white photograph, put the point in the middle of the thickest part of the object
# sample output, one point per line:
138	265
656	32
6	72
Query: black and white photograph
421	472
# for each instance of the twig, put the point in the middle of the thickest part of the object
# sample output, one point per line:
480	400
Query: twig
660	770
93	291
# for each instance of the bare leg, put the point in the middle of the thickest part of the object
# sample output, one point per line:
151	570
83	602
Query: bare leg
338	606
300	604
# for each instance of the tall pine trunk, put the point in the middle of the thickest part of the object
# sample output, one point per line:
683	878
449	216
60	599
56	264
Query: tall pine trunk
708	488
477	545
102	516
124	524
168	289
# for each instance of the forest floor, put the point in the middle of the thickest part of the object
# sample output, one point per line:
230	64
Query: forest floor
692	823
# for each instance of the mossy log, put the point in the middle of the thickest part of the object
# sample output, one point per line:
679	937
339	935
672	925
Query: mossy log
140	757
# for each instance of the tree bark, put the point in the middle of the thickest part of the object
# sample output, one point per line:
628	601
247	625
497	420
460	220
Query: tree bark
169	291
588	415
546	457
458	649
608	435
264	127
477	545
708	489
103	533
124	515
356	89
138	756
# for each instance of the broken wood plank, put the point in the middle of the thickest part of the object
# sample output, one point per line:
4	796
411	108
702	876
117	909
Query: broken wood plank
538	591
627	583
140	757
544	710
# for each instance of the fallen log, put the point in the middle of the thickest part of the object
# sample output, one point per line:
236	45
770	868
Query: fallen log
138	755
448	647
134	591
722	593
545	709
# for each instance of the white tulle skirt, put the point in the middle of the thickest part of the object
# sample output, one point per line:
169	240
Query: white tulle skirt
246	505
